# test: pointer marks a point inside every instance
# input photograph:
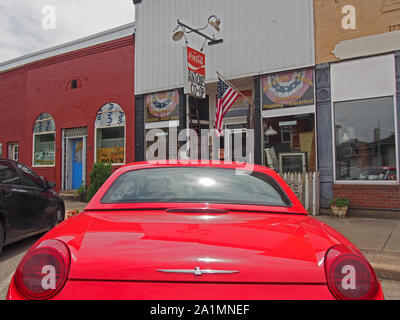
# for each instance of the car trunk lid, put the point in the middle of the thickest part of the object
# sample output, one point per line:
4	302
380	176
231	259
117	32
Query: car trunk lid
234	247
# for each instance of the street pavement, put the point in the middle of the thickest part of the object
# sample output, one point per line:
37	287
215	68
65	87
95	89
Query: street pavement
378	239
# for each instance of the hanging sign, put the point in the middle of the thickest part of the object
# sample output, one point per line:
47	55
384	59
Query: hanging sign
195	73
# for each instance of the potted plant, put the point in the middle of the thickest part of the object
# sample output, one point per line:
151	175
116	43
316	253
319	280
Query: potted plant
339	207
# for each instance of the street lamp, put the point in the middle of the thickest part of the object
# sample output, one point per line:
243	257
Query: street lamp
183	28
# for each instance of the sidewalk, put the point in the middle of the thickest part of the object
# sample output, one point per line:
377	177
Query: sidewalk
378	239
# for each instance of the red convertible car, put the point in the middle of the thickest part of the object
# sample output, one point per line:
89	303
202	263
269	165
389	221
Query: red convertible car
194	231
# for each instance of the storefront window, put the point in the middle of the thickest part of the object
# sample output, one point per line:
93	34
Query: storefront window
44	141
163	106
365	140
110	134
162	121
157	145
289	143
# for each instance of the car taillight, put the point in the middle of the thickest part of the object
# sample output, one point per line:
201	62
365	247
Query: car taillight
349	275
44	270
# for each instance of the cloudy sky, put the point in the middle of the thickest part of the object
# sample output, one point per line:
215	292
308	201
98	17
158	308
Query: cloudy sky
28	26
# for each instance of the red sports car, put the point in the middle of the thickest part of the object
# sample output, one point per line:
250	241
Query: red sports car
194	231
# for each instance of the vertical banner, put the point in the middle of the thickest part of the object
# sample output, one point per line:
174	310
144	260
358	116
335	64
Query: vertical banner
195	73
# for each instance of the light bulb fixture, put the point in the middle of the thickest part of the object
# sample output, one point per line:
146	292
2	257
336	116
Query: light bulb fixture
177	35
271	132
182	29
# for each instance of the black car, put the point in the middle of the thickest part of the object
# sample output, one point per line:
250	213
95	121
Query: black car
28	205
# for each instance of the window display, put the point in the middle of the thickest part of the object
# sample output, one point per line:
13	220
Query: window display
110	145
289	143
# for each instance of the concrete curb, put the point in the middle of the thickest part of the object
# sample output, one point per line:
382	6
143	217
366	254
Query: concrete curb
386	271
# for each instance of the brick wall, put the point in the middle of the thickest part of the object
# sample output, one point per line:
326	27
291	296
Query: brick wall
369	196
12	108
372	17
105	73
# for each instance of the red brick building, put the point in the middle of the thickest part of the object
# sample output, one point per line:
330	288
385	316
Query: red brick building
64	108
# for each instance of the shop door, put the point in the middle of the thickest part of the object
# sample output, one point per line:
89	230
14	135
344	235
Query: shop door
77	163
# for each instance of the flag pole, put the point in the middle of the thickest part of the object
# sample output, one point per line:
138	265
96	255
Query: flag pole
234	88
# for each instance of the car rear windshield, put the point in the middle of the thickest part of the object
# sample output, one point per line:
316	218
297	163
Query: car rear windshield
211	185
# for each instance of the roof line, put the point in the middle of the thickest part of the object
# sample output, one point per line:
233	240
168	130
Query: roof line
85	42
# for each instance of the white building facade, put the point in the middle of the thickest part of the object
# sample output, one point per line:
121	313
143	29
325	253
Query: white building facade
267	54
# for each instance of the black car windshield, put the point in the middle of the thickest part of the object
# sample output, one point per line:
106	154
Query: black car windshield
196	184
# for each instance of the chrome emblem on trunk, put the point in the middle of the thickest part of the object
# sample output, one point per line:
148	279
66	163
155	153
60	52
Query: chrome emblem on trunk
197	271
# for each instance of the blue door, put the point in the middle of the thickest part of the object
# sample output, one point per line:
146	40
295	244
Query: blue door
77	163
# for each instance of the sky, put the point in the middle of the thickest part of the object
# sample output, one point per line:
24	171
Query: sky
28	26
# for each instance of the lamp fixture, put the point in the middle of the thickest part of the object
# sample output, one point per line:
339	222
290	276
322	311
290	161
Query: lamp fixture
215	24
182	29
271	132
177	34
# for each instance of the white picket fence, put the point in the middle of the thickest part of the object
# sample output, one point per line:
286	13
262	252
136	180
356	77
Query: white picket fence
306	188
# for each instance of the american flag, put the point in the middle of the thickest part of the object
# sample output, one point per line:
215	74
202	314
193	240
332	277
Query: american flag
226	97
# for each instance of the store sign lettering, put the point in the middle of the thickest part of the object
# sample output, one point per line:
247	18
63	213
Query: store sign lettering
44	158
111	155
197	85
197	59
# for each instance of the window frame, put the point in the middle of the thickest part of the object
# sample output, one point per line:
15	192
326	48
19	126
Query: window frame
273	183
13	147
366	182
95	143
33	150
43	133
